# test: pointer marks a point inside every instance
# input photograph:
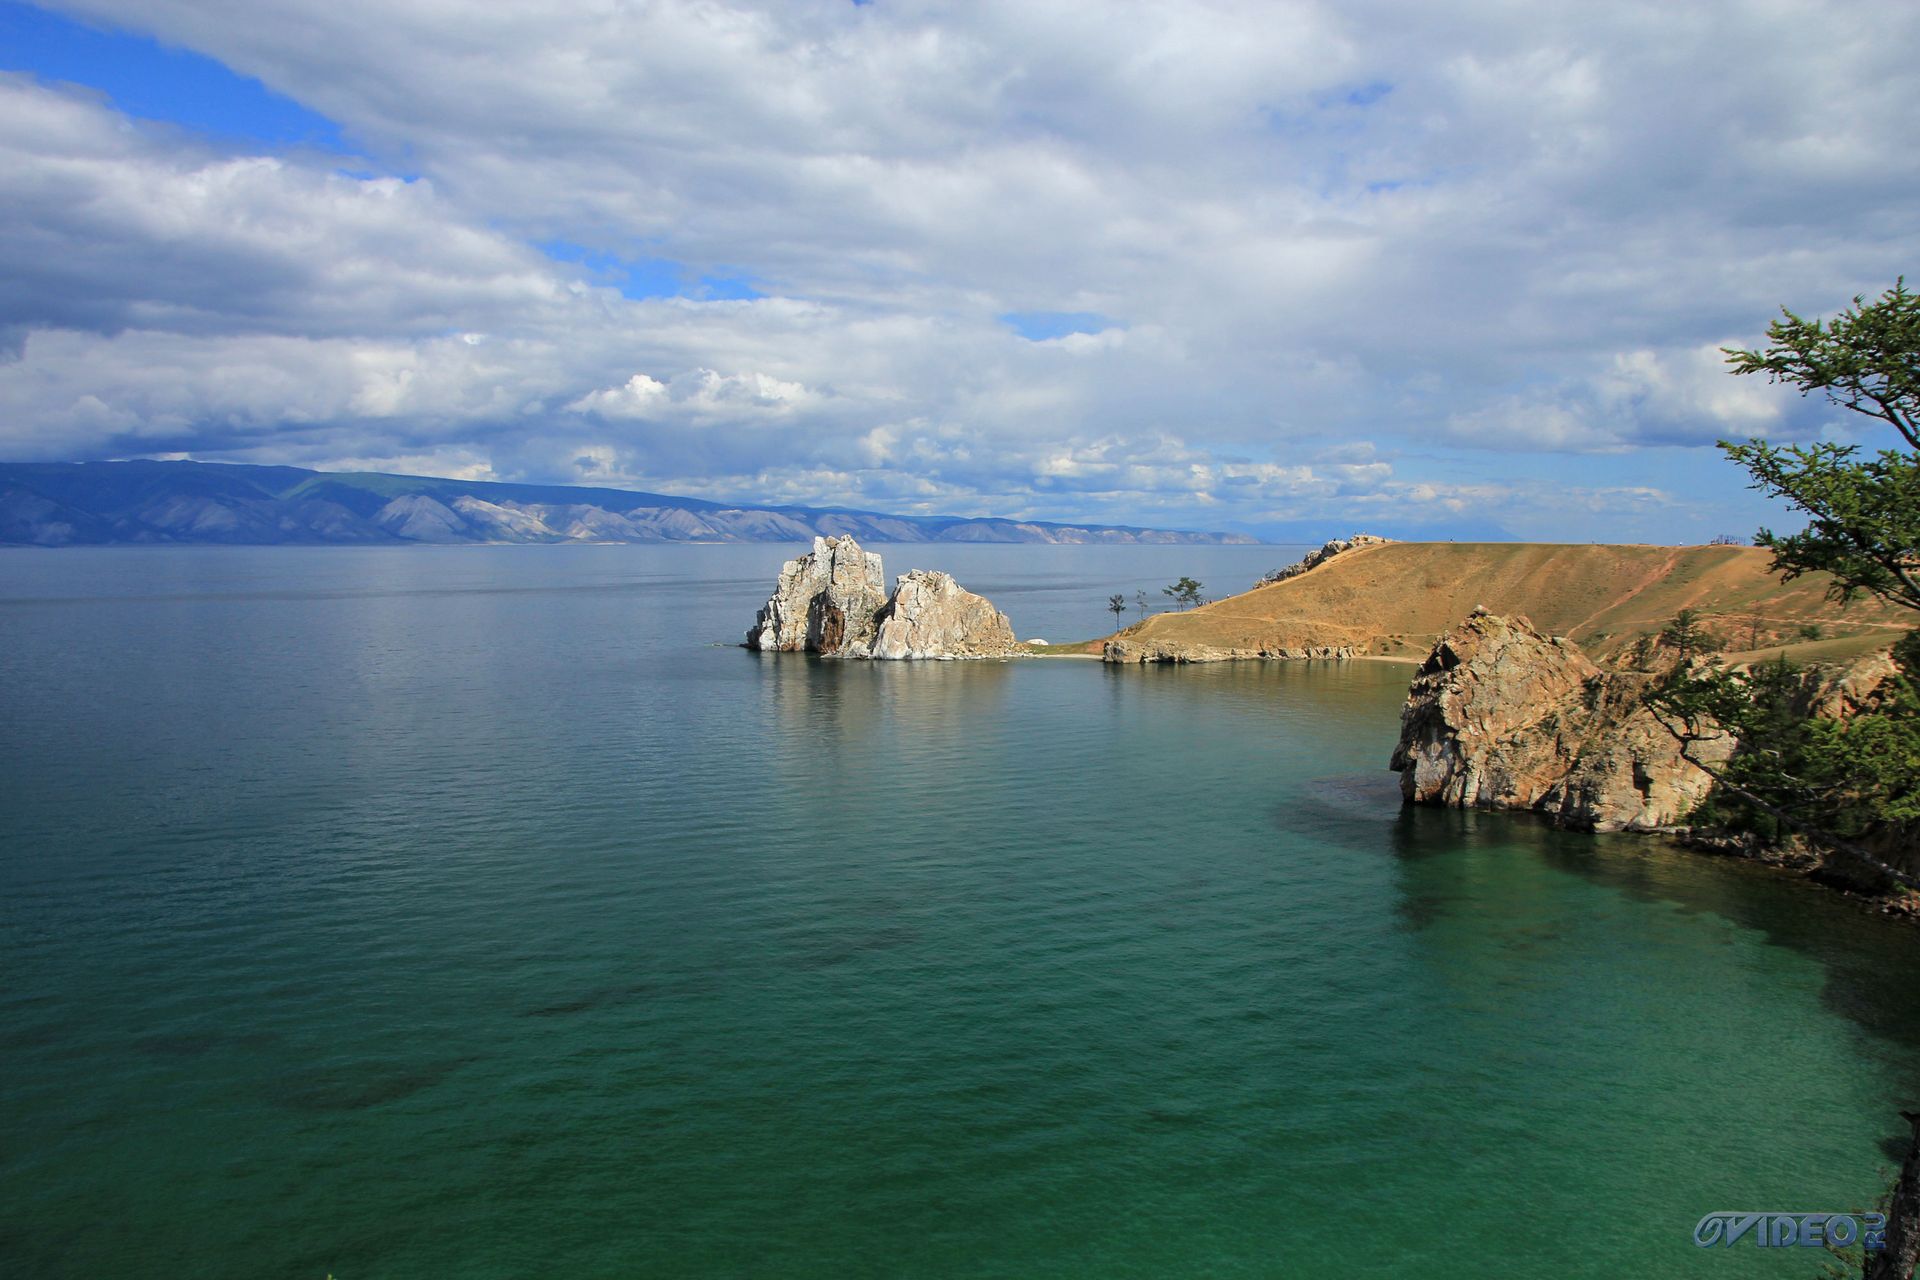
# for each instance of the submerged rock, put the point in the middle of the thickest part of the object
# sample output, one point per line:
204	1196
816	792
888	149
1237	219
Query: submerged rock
832	601
1503	717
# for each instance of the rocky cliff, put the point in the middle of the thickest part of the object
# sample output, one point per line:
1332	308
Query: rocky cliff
1121	650
826	601
932	616
832	601
1314	559
1503	717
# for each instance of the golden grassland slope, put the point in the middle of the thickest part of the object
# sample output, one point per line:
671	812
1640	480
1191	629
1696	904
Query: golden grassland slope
1394	600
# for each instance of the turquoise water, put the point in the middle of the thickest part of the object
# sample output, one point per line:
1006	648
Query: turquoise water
471	912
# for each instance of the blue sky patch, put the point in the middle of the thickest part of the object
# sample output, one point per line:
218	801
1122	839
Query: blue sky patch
153	82
1368	94
735	288
649	277
1038	326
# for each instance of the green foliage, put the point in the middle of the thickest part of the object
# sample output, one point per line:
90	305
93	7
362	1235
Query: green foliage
1185	592
1863	358
1141	603
1116	605
1864	515
1684	637
1863	512
1686	634
1836	779
1847	778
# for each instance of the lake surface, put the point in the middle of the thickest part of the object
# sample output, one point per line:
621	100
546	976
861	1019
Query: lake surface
477	912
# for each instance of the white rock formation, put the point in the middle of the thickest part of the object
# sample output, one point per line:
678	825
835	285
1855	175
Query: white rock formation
932	616
831	601
826	601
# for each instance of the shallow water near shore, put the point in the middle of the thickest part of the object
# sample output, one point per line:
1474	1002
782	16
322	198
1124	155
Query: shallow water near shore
479	912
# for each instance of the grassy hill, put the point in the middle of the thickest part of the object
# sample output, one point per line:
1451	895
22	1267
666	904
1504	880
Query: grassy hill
1395	599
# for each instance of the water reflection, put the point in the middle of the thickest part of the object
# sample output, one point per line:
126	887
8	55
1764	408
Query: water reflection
835	711
1464	861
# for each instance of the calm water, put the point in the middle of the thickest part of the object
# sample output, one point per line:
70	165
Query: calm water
471	913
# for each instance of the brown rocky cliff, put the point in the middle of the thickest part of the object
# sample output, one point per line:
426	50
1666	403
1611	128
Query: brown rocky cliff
1122	650
1314	559
1503	717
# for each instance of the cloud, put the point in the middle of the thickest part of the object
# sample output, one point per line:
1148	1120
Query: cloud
107	226
638	397
1292	255
1640	398
698	395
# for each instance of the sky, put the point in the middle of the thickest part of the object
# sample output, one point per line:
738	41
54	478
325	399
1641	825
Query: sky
1296	267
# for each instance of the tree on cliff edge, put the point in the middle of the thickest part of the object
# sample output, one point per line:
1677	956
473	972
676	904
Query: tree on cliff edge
1863	512
1850	783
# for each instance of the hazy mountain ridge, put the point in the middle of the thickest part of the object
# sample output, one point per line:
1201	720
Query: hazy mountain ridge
55	504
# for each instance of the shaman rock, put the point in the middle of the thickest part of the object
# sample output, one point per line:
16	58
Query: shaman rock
1503	717
832	601
932	616
827	601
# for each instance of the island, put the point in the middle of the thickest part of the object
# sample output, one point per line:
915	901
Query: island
832	601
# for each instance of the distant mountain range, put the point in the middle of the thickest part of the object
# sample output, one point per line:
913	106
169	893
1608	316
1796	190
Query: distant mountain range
53	504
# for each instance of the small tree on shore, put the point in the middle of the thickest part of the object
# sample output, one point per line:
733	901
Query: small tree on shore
1141	603
1185	592
1116	605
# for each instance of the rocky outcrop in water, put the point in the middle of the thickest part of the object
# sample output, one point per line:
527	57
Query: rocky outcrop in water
1314	559
932	616
1125	651
1503	717
832	601
827	601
